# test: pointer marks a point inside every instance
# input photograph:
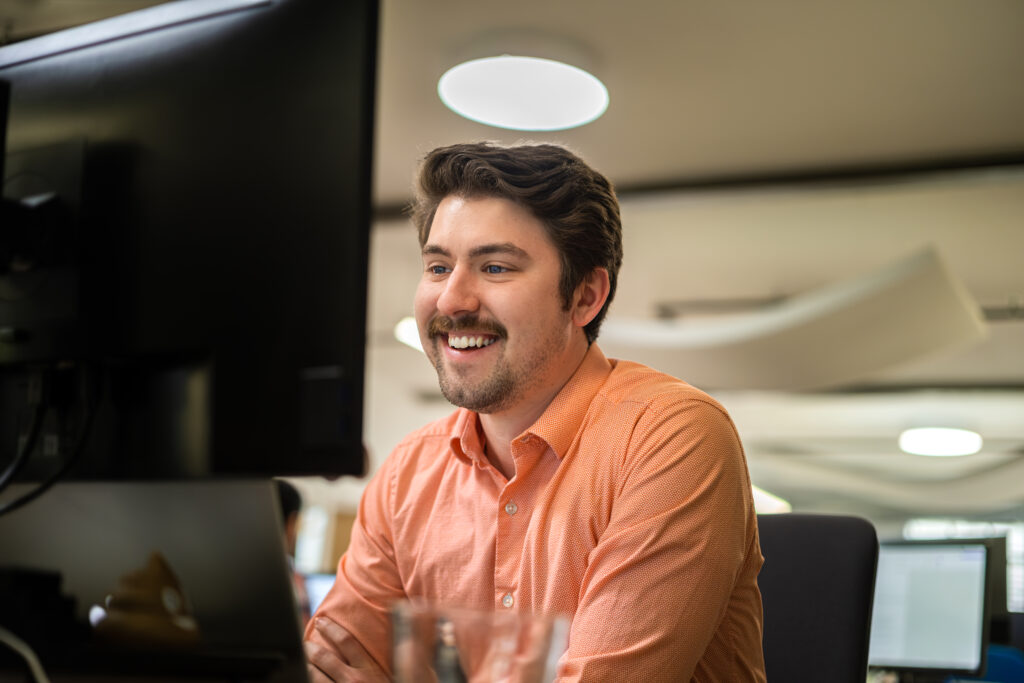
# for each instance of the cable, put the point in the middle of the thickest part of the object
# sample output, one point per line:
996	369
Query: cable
22	648
83	437
29	444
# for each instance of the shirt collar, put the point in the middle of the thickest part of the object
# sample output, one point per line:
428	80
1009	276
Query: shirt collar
559	422
465	439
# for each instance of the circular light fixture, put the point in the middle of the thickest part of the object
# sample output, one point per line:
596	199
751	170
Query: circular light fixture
407	332
523	93
940	441
768	503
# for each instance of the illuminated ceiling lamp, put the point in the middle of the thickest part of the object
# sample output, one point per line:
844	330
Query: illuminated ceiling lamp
527	82
768	503
407	333
940	441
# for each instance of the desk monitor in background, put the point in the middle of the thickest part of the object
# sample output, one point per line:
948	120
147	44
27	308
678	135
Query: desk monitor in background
930	611
224	543
317	586
1000	632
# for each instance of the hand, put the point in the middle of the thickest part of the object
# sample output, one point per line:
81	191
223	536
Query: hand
348	662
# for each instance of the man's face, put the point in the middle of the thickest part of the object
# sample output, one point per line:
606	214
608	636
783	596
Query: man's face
488	306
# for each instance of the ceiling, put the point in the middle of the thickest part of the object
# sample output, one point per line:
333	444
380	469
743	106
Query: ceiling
763	152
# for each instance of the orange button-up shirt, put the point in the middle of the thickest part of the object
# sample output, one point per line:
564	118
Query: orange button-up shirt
630	511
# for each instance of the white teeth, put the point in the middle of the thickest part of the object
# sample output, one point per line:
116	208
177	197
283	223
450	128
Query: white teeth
466	342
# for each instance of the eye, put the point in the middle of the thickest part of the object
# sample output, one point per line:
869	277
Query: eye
437	270
492	269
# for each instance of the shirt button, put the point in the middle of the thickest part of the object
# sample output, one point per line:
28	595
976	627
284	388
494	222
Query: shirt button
511	508
507	600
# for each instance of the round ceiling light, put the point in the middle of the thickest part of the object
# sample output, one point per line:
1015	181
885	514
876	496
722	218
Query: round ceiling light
940	441
523	93
408	333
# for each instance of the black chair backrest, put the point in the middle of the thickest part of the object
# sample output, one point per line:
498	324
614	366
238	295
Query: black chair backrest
817	585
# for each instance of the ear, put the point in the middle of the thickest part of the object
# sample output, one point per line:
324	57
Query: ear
590	296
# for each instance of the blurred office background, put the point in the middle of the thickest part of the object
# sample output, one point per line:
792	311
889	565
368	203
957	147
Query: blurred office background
823	210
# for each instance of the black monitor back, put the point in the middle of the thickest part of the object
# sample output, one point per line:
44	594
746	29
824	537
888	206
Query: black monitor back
200	298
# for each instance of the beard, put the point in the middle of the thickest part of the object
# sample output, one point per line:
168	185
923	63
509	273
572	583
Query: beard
490	395
508	381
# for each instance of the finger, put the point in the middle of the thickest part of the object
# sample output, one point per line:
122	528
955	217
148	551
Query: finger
327	664
348	647
317	676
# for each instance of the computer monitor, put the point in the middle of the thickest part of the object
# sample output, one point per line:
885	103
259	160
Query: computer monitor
998	603
183	291
930	612
317	585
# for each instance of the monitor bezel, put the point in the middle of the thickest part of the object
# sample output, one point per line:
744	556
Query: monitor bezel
985	615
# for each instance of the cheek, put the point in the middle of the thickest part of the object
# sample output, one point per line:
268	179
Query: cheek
424	304
534	308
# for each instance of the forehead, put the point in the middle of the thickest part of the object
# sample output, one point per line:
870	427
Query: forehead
466	222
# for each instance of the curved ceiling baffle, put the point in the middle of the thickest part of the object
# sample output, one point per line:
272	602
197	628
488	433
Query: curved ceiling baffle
825	338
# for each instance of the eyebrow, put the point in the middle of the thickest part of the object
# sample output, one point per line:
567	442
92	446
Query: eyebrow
482	250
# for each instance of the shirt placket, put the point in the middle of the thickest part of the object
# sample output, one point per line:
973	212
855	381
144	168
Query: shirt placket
513	519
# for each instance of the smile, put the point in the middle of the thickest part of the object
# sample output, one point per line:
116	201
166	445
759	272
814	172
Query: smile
465	342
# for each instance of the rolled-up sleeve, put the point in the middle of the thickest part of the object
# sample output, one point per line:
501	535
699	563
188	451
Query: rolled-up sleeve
367	581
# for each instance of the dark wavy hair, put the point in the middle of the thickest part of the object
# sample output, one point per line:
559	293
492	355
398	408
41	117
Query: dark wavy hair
575	203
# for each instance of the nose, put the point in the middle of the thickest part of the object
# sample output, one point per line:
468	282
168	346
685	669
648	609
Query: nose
459	295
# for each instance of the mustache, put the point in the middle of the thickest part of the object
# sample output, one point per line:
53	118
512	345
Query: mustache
442	324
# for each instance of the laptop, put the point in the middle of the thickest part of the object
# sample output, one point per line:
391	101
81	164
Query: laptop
223	540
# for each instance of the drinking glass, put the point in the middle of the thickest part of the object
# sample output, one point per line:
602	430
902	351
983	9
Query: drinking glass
436	644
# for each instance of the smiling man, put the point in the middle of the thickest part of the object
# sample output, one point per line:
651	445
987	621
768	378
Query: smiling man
565	482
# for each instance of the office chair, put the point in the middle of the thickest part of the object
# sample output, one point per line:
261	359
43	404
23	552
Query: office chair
1004	664
817	586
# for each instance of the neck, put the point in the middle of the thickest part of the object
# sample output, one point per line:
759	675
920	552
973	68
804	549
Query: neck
502	427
